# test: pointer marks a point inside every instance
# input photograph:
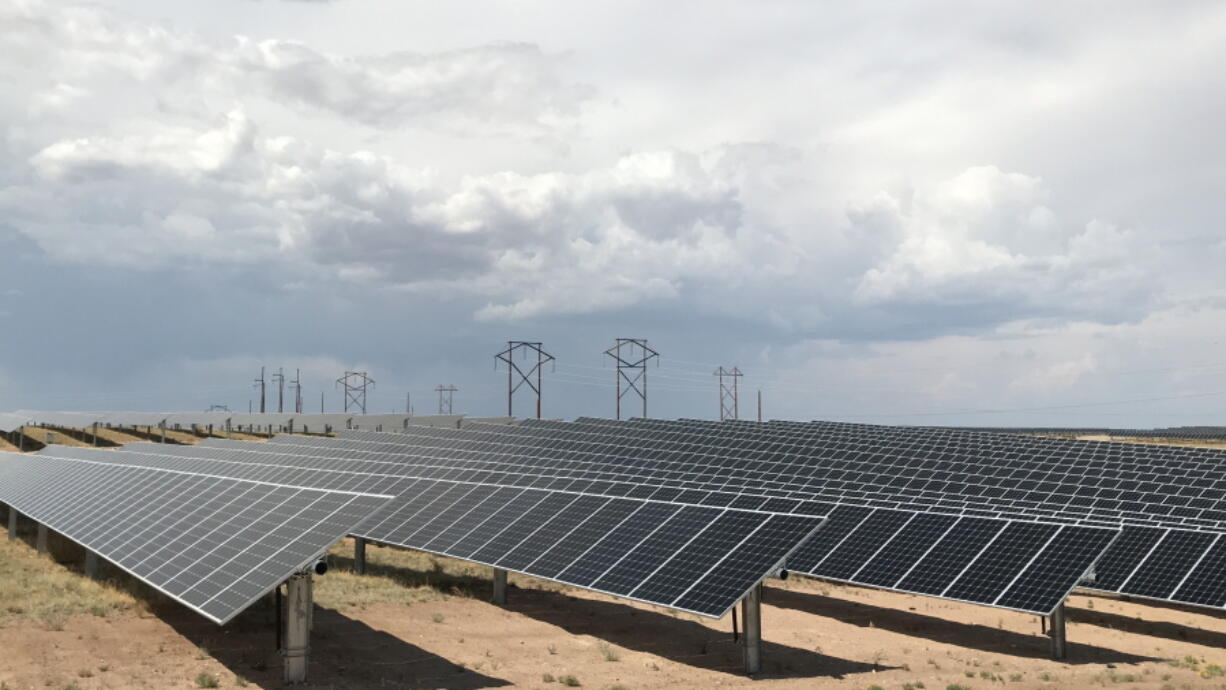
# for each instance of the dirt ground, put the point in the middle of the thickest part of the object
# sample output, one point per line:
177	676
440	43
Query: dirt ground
417	621
6	446
48	436
1186	443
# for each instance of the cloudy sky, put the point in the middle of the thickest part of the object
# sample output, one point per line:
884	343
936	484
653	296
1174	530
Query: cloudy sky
909	212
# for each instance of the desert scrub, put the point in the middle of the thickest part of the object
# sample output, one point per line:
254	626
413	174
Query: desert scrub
36	588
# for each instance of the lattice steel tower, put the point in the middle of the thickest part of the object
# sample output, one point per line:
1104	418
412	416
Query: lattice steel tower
631	356
279	379
526	349
444	397
355	384
729	400
261	384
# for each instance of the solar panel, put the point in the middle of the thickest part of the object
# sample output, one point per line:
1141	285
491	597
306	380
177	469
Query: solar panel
635	548
872	540
213	543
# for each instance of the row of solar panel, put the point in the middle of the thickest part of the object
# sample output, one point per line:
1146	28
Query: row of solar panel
1021	568
1142	572
1058	481
1169	564
1066	500
215	544
695	558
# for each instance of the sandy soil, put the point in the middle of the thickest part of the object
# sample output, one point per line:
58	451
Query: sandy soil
816	636
6	446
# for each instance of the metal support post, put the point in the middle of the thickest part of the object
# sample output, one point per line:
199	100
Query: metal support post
95	434
297	638
751	613
500	587
41	541
1058	647
359	555
91	564
12	523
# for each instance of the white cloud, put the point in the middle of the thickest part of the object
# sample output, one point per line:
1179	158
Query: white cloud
1058	376
987	236
63	51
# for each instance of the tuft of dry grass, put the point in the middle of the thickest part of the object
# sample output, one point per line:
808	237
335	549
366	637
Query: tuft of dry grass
395	576
35	587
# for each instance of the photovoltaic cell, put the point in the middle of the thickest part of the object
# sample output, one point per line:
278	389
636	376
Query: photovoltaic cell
555	559
1166	567
996	567
1124	556
873	533
938	568
654	550
616	543
545	538
1049	578
841	522
1206	584
905	549
731	580
699	556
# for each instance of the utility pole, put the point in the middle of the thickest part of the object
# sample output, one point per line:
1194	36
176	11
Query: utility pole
759	404
729	403
508	356
321	402
296	384
355	384
444	404
628	361
259	383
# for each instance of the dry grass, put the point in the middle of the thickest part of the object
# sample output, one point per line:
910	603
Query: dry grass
43	435
403	577
35	588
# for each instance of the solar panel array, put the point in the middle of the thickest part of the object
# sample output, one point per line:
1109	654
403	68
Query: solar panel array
991	481
696	558
1009	568
215	544
1176	491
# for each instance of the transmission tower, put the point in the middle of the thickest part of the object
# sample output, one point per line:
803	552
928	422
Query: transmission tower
631	356
259	383
355	384
444	403
296	384
508	355
729	402
279	379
